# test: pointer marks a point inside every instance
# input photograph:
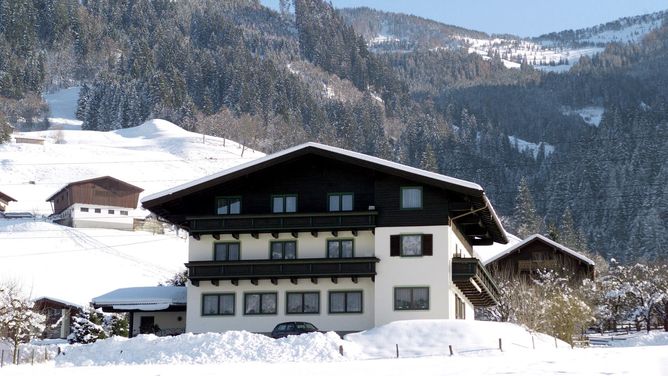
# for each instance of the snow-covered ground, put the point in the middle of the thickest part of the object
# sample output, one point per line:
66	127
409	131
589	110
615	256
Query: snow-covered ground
529	147
63	107
422	350
591	115
78	264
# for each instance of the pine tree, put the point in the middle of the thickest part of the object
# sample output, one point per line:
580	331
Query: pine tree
525	217
87	327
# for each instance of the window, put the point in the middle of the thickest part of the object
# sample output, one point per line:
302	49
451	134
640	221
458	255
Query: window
228	205
411	245
84	210
460	308
260	303
303	302
124	212
226	251
110	211
345	302
218	305
98	210
340	202
411	197
284	203
339	248
411	298
283	250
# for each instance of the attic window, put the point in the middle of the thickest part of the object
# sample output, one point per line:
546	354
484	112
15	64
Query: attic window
228	205
411	197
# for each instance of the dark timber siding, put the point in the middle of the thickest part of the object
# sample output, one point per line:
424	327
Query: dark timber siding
106	192
312	178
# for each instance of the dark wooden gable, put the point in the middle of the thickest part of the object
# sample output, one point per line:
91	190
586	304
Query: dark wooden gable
104	191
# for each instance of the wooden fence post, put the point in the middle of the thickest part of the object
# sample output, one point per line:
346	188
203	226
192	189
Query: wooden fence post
500	345
555	343
2	358
32	358
450	347
397	345
46	354
341	350
533	342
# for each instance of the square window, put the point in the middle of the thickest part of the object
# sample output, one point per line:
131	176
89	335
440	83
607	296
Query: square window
411	197
226	251
98	211
228	205
303	302
260	303
340	248
345	302
110	211
411	245
84	210
280	250
124	212
218	305
340	202
284	203
411	298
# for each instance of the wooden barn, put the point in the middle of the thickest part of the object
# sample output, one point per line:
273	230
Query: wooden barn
104	202
538	252
4	201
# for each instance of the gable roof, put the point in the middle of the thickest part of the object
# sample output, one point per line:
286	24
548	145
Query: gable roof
446	182
486	252
128	185
6	198
539	237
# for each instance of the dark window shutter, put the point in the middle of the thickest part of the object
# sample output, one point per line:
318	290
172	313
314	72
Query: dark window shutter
394	245
427	245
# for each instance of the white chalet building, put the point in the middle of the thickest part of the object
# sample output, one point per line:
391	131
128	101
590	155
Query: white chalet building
337	238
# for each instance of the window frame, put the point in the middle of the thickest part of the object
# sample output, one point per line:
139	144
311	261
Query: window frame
460	308
227	251
411	288
401	197
123	212
97	211
283	197
111	211
346	292
339	240
271	244
219	295
83	210
302	293
340	196
261	294
217	206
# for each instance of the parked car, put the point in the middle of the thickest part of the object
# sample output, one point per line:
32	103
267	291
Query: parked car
285	329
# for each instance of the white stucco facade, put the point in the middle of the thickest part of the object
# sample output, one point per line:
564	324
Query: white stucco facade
98	216
433	272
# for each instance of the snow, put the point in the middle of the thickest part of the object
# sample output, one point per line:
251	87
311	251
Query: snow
144	295
76	265
485	252
63	107
591	115
544	239
526	146
363	354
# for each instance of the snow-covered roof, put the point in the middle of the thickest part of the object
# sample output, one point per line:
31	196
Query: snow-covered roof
153	298
486	252
61	301
544	239
344	152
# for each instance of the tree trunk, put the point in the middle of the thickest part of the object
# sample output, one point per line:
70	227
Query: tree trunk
665	315
15	357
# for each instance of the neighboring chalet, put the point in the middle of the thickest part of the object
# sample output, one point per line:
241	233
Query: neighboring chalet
4	201
159	310
539	252
337	238
103	202
59	316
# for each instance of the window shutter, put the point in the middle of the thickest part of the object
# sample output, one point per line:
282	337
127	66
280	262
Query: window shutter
427	245
394	245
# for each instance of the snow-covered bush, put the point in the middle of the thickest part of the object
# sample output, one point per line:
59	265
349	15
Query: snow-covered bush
18	322
87	327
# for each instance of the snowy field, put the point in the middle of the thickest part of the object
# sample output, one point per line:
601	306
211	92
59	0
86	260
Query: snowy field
422	344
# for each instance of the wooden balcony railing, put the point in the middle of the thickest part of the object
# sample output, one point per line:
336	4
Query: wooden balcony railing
249	223
281	269
470	275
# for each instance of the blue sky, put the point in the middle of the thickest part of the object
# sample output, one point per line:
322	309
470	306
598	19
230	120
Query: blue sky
519	17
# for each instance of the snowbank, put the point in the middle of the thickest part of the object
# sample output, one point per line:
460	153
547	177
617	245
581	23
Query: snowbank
432	337
654	338
233	346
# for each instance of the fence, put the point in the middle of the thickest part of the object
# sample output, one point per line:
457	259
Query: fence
27	354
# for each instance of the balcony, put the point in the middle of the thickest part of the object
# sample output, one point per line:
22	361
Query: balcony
474	281
293	222
254	270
